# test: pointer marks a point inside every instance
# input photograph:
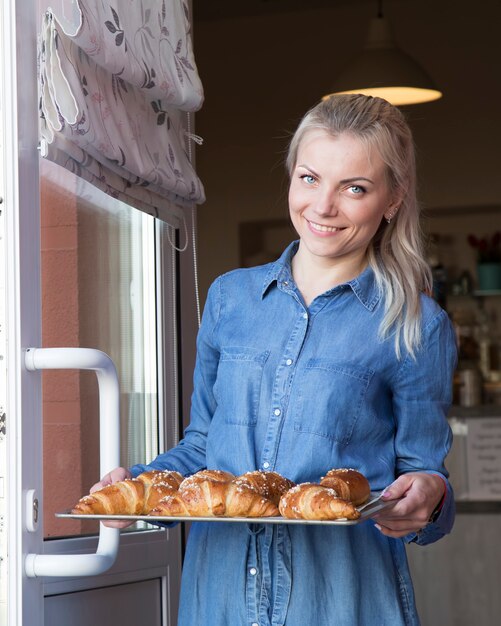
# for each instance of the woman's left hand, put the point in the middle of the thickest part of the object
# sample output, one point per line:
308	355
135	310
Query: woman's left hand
418	494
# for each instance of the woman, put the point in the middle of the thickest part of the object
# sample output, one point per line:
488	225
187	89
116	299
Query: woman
333	356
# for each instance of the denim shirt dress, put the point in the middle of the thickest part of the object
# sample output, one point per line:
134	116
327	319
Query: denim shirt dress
300	390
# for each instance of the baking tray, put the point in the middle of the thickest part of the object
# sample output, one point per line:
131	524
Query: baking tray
367	510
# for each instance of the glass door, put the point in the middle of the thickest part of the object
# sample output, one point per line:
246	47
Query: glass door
79	269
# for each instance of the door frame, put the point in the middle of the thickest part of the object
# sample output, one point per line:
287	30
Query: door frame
21	217
21	284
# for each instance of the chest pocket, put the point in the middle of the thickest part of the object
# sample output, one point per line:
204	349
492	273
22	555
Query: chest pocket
237	388
331	399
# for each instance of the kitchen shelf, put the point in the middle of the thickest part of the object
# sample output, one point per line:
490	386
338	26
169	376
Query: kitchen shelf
478	506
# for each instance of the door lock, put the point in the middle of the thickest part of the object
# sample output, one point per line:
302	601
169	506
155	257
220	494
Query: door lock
31	511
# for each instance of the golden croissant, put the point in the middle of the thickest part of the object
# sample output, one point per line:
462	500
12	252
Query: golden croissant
134	496
349	484
311	501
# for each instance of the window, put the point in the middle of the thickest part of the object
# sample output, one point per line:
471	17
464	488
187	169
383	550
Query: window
99	290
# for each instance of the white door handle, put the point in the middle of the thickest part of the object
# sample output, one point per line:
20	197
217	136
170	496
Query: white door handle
109	445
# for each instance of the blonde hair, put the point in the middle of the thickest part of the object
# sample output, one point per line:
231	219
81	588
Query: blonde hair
396	251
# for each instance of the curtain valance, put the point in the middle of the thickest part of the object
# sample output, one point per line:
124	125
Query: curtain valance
98	117
145	42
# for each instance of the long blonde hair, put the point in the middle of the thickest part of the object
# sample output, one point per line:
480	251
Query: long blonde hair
396	251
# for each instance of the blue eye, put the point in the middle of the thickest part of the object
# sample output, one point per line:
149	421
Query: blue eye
308	178
357	189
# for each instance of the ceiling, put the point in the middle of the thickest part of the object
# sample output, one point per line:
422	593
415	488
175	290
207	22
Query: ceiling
218	9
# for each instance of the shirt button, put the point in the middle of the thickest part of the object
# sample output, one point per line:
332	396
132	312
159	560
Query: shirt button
254	624
305	316
266	465
253	571
288	362
277	412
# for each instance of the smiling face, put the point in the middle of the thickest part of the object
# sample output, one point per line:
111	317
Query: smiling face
338	196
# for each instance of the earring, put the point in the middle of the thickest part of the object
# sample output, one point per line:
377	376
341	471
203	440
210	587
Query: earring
391	215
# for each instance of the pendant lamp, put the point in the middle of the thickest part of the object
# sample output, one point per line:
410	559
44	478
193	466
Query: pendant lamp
383	70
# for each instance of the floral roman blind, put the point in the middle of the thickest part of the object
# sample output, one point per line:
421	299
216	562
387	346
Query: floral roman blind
116	82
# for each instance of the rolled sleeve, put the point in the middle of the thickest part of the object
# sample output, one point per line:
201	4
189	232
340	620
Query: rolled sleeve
442	524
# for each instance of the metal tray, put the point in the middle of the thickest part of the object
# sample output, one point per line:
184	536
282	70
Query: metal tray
367	511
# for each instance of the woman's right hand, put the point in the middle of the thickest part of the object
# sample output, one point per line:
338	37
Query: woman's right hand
117	474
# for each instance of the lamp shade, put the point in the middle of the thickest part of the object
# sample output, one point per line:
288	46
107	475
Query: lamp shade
383	70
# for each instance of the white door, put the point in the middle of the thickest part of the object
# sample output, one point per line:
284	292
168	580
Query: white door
78	270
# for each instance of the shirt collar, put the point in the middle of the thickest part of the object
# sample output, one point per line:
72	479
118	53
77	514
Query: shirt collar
363	286
280	270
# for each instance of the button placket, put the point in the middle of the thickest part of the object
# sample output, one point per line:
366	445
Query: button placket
252	581
267	576
282	575
281	387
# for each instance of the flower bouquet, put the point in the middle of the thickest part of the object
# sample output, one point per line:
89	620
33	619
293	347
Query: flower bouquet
488	260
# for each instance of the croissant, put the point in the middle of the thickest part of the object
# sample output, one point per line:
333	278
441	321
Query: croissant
206	492
270	485
134	496
314	502
349	484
